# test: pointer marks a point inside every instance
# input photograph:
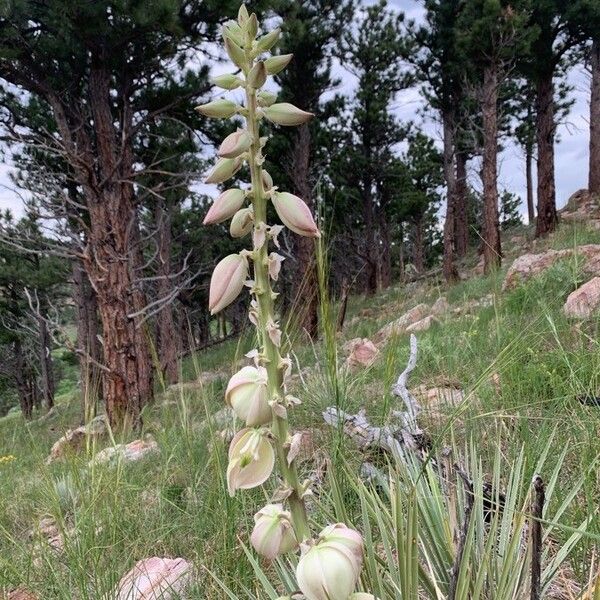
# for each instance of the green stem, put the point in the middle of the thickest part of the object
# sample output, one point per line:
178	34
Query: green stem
265	295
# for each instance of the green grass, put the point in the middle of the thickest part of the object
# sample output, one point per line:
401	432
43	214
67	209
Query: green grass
175	504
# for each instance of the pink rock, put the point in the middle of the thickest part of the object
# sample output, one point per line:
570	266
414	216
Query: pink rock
74	439
422	325
440	306
529	265
361	352
155	579
131	452
398	327
584	301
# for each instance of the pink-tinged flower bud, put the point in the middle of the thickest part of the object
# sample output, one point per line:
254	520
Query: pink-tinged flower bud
224	169
218	109
267	180
251	460
242	222
228	81
267	41
235	143
273	533
258	75
247	395
225	206
265	98
340	534
328	571
294	214
227	282
286	114
275	64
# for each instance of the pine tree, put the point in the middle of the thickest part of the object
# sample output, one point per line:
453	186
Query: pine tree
491	35
372	54
92	63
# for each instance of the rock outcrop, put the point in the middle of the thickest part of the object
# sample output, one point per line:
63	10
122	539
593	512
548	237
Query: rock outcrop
399	326
530	265
584	301
132	452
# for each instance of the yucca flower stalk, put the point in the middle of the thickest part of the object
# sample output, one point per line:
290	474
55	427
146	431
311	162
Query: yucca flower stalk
258	394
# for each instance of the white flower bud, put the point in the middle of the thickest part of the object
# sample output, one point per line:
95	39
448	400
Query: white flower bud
224	169
225	206
235	53
227	282
295	214
267	41
233	31
258	75
273	533
235	143
241	223
286	114
247	395
228	81
218	109
265	98
275	64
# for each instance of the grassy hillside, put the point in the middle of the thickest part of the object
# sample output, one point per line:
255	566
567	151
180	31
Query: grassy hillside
520	362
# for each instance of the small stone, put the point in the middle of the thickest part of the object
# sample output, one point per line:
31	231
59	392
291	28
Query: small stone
584	301
362	352
20	593
155	579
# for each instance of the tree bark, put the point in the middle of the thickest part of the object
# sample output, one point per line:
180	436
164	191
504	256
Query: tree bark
594	174
88	343
167	338
305	289
449	268
418	245
461	231
112	260
492	251
529	180
22	381
385	262
46	366
545	130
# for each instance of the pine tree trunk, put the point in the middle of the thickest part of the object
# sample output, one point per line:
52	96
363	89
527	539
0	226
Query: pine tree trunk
594	174
88	344
529	179
385	275
167	337
449	268
22	382
461	228
46	366
418	245
306	287
545	130
491	226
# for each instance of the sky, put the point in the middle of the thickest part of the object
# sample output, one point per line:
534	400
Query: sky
571	147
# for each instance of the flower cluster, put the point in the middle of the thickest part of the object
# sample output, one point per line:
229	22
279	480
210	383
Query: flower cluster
330	565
